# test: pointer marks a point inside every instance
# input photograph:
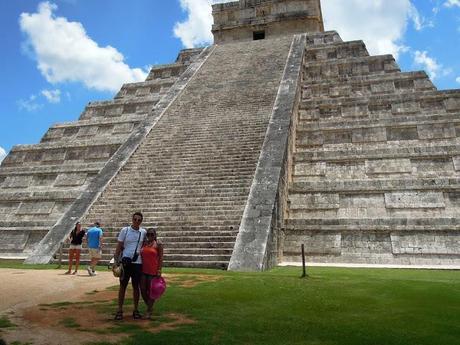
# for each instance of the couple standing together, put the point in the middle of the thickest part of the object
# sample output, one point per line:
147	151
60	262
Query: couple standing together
141	255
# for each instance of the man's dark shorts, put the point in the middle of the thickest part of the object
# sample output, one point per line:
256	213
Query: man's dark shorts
133	272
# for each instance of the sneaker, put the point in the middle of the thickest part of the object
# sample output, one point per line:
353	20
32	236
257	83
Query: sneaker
94	273
90	272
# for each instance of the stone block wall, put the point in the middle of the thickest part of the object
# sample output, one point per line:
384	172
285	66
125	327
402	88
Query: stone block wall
239	20
375	175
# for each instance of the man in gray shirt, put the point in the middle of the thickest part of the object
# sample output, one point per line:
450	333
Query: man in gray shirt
128	248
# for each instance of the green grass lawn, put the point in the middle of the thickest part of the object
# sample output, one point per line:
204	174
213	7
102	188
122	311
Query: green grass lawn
332	306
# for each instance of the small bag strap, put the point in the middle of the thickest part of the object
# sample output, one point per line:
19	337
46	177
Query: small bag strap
137	245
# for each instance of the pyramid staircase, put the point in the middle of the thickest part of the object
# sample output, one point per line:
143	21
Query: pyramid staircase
192	173
375	177
39	183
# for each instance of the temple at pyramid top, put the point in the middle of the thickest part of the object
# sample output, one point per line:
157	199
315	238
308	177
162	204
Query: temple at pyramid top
247	20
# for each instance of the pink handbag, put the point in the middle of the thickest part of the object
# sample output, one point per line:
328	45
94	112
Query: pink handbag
157	287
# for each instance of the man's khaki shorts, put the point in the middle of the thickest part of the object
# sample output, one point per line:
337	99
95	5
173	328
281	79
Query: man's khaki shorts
95	253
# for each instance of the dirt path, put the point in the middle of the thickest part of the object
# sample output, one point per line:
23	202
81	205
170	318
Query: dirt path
50	308
24	288
21	291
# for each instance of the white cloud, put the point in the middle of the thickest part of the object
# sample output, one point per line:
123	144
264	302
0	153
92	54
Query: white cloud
433	68
53	96
31	104
380	23
65	53
2	154
452	3
458	80
196	30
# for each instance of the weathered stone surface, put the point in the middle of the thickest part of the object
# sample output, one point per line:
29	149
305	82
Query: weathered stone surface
310	169
414	200
425	243
388	166
384	143
243	20
314	201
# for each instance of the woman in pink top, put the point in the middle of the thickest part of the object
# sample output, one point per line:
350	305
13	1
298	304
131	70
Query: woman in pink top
152	260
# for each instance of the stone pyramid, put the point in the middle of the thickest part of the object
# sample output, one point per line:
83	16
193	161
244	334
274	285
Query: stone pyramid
278	135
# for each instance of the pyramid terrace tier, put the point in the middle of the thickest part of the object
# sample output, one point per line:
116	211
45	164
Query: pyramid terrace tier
367	246
375	163
95	127
355	66
145	90
410	132
415	105
368	85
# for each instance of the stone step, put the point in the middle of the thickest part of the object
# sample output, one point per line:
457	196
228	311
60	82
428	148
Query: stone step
117	108
171	219
21	227
354	152
371	85
417	103
184	185
368	186
201	190
197	264
368	224
59	147
89	168
78	132
237	140
336	51
35	223
62	195
402	121
330	69
127	118
177	239
157	212
409	131
176	175
178	210
315	39
127	89
143	94
190	202
166	71
199	164
198	257
78	154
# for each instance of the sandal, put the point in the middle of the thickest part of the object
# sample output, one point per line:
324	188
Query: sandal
136	315
118	316
68	272
148	315
74	273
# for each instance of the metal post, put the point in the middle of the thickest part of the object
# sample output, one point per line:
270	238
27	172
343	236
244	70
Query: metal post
304	274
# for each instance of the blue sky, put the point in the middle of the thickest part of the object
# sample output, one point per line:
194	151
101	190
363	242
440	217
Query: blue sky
58	55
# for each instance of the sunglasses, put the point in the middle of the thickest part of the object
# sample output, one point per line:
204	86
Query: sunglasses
137	219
